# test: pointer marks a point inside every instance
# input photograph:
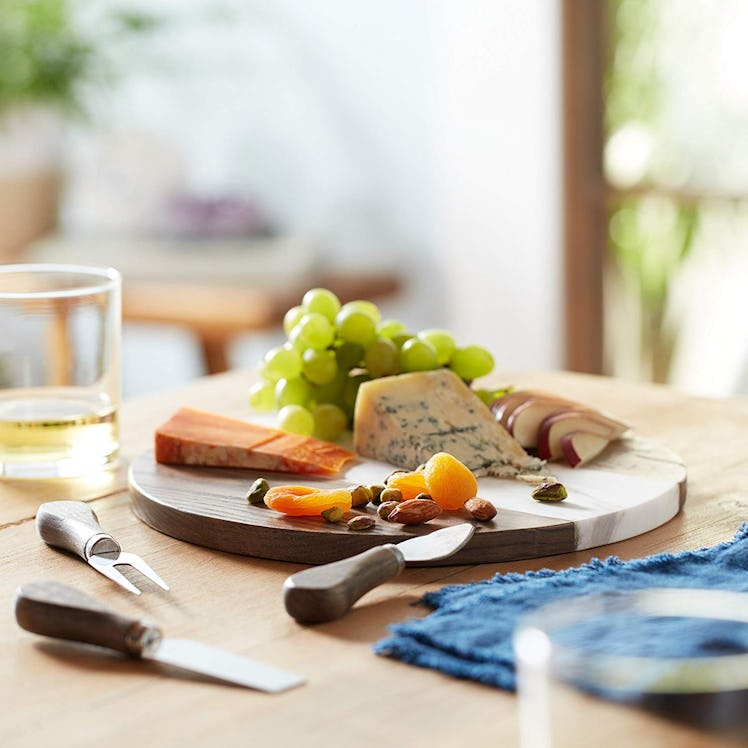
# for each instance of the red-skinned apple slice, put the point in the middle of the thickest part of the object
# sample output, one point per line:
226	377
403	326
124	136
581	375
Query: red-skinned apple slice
579	447
555	426
524	420
503	407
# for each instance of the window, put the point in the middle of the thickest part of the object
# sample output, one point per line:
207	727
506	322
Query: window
657	190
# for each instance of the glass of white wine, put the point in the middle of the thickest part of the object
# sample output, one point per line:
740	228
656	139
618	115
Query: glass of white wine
60	330
647	668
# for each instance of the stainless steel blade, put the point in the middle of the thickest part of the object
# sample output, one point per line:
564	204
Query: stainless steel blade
217	663
436	545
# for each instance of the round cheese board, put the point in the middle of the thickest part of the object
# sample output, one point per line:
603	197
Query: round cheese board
634	486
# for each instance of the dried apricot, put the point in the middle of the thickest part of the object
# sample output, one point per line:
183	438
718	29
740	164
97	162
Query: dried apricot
449	482
409	484
304	501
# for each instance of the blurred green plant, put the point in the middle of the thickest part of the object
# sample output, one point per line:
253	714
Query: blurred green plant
650	233
48	58
633	85
650	238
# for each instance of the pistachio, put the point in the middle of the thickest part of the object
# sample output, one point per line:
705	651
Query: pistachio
391	494
425	496
386	508
361	522
376	492
257	491
333	514
550	492
360	495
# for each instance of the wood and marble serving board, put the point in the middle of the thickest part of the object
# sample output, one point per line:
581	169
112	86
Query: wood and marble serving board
633	487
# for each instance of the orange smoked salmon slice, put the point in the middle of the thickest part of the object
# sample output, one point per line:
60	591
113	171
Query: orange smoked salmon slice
197	437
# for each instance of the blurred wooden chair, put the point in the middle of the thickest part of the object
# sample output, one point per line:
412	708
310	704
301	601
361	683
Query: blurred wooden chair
217	291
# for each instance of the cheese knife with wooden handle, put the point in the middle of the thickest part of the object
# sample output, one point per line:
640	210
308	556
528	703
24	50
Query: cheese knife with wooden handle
324	593
54	609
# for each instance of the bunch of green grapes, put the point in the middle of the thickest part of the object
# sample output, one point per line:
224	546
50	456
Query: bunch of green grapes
313	378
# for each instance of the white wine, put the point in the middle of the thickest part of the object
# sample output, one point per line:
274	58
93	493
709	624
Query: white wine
59	434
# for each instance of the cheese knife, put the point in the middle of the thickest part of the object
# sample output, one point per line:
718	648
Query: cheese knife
327	592
54	609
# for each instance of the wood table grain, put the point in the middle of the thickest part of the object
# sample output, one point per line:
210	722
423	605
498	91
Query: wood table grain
57	694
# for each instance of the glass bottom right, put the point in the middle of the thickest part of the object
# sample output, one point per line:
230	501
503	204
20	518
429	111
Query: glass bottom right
651	668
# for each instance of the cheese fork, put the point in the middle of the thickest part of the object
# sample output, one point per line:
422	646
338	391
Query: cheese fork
73	526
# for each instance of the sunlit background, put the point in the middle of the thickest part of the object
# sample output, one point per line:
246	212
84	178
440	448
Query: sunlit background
676	158
422	139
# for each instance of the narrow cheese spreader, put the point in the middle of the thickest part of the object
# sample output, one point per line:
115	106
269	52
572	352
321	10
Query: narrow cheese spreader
327	592
54	609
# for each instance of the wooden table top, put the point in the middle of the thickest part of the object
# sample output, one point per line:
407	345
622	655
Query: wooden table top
53	693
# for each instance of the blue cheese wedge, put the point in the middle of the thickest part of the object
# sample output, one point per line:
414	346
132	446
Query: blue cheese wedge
405	419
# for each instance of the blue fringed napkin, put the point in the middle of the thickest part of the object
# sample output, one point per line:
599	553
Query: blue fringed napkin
469	634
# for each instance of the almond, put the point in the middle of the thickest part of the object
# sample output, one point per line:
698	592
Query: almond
480	509
414	511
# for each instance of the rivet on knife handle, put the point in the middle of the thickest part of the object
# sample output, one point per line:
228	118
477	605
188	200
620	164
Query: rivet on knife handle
324	593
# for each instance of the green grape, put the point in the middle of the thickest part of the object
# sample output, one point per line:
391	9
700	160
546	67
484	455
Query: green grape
296	391
295	340
382	358
331	392
316	331
296	419
355	326
350	391
388	328
262	397
401	339
485	396
322	301
349	356
489	396
283	361
319	367
497	394
442	341
367	307
291	318
471	362
418	355
330	422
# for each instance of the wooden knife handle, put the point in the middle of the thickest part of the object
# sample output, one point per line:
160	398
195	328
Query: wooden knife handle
74	526
324	593
54	609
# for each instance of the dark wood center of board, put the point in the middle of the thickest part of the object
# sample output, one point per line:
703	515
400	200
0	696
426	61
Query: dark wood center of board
633	487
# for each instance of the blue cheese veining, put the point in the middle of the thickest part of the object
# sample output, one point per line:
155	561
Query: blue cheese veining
407	418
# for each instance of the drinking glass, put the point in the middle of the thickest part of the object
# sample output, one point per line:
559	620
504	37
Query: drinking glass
649	668
60	329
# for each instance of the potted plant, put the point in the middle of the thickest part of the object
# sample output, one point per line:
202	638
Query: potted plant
47	60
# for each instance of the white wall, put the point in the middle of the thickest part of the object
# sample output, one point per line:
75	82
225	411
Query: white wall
424	133
502	185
